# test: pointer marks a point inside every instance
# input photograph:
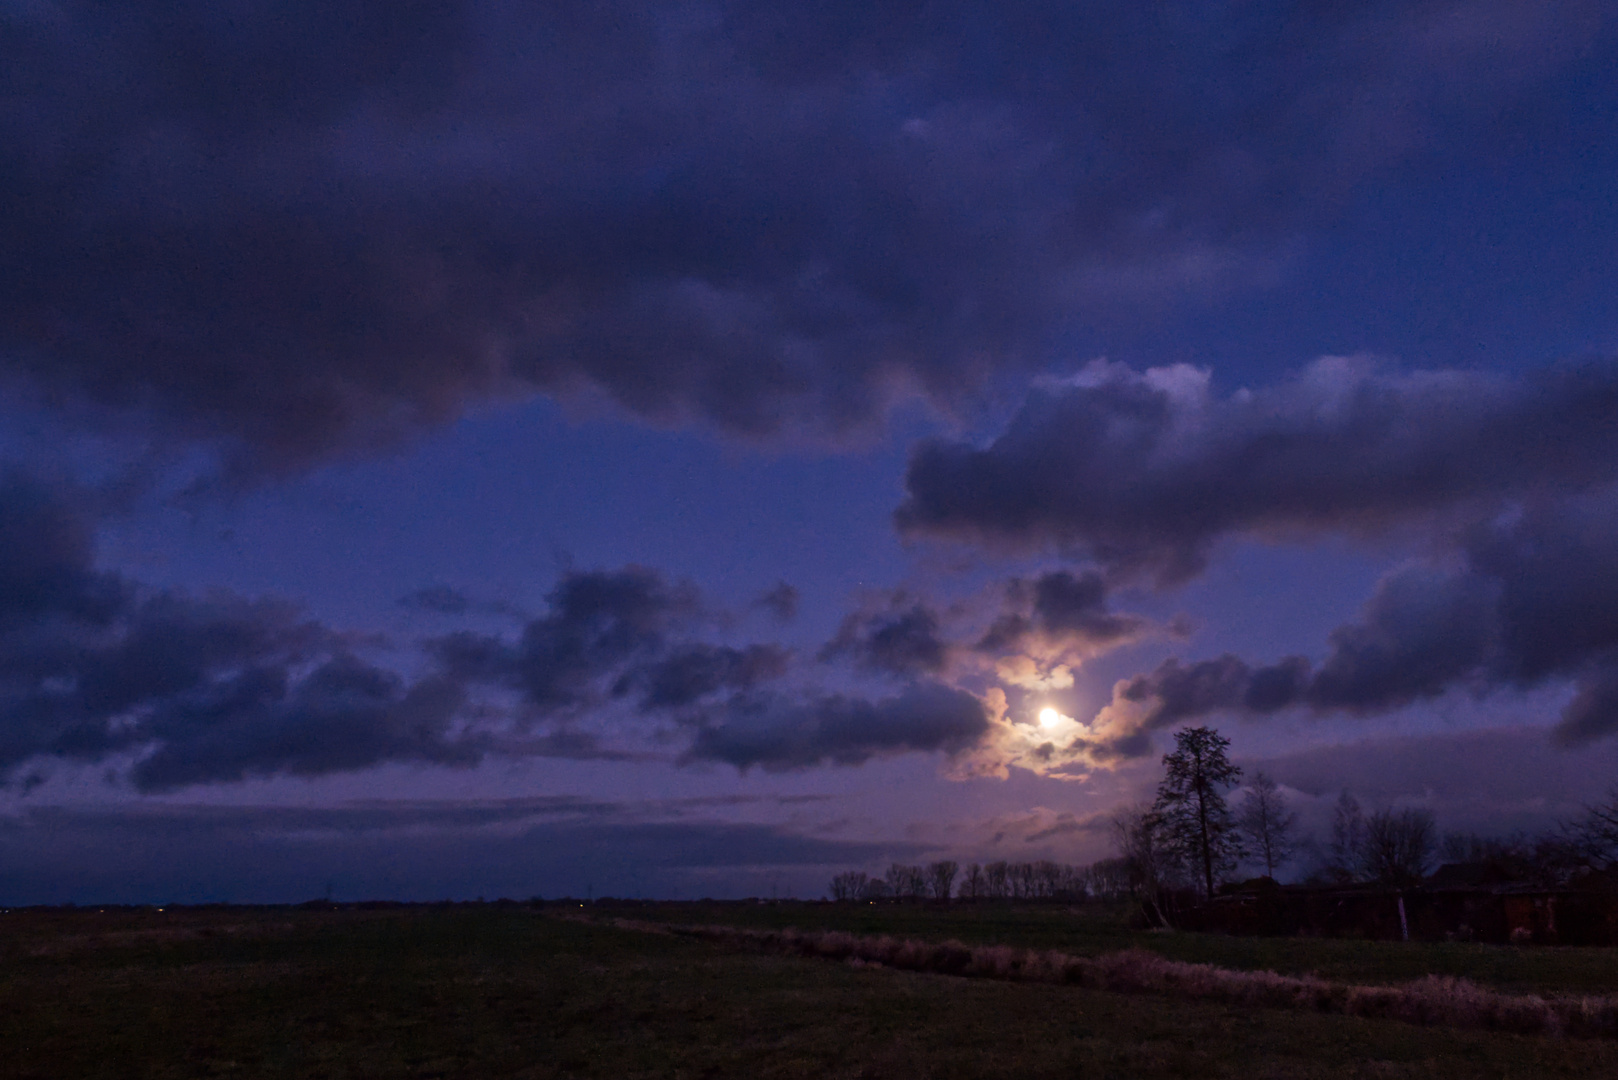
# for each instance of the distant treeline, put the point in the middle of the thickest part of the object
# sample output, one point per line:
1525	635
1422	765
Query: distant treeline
1190	841
1109	879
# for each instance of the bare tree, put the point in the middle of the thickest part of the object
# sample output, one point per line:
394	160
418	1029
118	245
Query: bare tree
1270	828
1347	838
1190	809
941	878
973	885
906	882
850	885
1458	847
1023	881
1052	878
1135	837
1398	846
1074	884
998	877
1462	847
1592	840
1108	879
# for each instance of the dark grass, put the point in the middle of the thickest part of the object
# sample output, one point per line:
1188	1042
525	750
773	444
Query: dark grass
483	991
1090	930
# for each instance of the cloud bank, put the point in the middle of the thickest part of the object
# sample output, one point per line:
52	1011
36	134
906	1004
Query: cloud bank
304	228
299	230
1508	479
207	688
1145	471
780	733
184	689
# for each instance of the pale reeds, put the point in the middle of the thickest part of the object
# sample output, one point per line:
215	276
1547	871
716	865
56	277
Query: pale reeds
1435	1000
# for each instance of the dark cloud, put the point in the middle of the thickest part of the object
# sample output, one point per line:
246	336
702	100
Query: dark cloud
1068	824
901	638
343	716
308	227
1066	603
781	601
219	689
1531	599
1534	600
778	732
599	621
1276	686
1147	471
1422	632
262	697
1175	692
196	688
1183	692
216	690
1555	566
46	545
1593	712
610	634
191	689
1064	610
691	673
567	743
629	634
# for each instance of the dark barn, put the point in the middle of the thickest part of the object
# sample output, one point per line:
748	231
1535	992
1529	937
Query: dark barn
1450	906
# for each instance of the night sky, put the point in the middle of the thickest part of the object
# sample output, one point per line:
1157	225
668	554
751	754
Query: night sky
455	449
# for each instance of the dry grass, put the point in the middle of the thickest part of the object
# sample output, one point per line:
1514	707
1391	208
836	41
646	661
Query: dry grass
1434	1000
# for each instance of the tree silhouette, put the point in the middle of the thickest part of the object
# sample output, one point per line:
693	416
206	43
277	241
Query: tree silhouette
1267	823
906	882
997	877
1347	839
941	878
1190	810
850	885
1137	837
1398	847
1593	839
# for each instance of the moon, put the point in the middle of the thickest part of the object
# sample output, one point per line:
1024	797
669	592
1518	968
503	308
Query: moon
1049	717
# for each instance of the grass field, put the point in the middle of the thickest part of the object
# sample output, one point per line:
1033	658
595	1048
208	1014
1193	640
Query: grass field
489	991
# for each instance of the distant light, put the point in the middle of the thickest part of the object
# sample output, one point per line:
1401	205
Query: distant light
1049	717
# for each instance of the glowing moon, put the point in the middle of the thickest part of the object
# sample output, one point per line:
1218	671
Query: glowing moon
1049	718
